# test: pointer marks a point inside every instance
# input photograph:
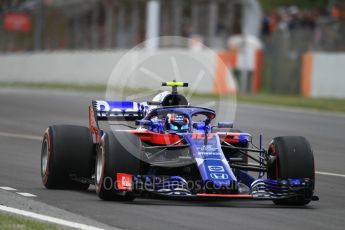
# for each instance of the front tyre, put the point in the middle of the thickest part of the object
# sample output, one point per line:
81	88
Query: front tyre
112	157
292	158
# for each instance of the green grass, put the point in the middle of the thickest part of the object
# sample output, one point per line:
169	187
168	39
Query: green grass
9	222
322	104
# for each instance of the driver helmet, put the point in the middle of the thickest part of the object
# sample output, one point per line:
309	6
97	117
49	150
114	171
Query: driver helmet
177	122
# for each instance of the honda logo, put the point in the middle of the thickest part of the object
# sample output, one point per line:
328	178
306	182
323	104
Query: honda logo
222	176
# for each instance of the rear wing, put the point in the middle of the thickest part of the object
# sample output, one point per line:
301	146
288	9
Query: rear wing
118	110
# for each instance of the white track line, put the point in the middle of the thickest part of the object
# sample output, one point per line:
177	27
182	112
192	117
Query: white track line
8	188
330	174
26	194
48	218
23	136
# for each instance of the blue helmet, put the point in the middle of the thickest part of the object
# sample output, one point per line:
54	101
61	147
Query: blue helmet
177	122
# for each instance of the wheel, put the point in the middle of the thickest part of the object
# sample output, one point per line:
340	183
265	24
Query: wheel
293	158
112	157
67	150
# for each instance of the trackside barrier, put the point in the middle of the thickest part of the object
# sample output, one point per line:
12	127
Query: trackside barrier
86	67
224	63
95	67
307	65
257	74
323	75
230	59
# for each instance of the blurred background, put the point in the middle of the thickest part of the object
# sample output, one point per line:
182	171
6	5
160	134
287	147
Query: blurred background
289	47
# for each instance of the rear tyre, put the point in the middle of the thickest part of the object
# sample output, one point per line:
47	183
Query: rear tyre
112	157
292	158
67	151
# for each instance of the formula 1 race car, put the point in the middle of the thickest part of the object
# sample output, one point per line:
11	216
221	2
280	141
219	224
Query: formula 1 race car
174	151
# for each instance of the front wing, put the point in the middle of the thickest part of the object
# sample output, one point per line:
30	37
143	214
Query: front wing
177	187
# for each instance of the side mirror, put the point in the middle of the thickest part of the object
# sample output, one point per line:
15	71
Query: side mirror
224	124
199	125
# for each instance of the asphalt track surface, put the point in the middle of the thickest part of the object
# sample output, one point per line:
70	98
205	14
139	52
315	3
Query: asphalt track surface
26	112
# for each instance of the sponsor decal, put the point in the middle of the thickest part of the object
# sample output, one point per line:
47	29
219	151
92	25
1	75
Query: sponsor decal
200	136
117	108
216	168
17	22
208	150
219	176
204	154
179	118
124	181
